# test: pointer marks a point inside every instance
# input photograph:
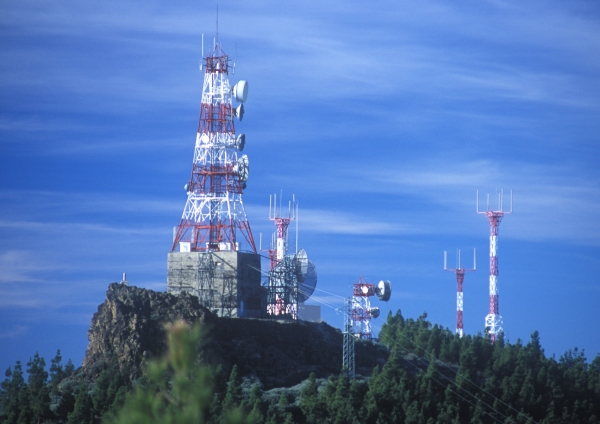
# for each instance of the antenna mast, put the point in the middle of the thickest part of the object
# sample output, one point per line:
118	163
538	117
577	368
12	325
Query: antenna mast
214	213
460	276
493	321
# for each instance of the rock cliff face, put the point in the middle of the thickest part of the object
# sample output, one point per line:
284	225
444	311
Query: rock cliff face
129	326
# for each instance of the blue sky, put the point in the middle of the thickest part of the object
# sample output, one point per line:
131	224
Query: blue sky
384	119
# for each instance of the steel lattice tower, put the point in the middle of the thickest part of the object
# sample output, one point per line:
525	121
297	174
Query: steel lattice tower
214	212
348	361
361	308
460	277
493	321
282	295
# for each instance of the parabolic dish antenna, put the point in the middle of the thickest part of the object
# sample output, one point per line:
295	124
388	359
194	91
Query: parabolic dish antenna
240	142
384	290
307	287
240	91
243	168
239	112
301	265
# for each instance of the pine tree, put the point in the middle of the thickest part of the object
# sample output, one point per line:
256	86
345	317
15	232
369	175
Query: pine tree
177	389
10	390
233	395
83	411
39	393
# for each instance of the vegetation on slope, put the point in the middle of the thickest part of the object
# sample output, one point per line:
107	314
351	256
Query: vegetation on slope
432	376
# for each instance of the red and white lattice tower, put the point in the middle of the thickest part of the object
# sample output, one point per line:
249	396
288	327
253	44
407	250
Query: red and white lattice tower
281	224
282	296
214	213
493	321
362	312
460	277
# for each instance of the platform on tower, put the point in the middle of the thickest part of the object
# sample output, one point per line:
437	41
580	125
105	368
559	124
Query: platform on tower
226	282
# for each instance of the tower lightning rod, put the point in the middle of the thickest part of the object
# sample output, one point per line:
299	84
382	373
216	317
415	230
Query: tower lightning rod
460	277
493	321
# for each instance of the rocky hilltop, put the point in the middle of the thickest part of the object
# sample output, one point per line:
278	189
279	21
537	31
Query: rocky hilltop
129	327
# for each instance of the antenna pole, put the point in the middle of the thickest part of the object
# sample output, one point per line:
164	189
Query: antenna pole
460	278
493	321
297	220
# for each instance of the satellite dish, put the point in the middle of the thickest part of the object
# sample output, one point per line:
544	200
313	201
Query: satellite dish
240	91
374	312
301	265
239	112
243	168
384	290
240	142
204	139
186	187
307	287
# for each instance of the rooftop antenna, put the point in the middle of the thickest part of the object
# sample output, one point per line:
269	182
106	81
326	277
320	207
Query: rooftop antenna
493	321
460	276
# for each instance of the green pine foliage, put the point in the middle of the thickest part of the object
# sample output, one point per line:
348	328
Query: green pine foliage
431	376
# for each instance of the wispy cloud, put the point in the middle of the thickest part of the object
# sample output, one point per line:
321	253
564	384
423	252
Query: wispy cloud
14	332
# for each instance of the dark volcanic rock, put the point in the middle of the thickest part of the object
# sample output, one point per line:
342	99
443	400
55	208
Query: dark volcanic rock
129	326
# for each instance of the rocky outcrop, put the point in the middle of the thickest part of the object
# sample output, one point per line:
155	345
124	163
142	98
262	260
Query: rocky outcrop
130	326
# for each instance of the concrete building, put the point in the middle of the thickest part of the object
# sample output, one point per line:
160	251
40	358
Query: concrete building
310	313
226	282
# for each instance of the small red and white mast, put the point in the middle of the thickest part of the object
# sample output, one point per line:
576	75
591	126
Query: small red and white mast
460	277
493	321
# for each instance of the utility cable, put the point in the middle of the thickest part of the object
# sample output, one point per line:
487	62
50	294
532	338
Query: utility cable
466	379
466	400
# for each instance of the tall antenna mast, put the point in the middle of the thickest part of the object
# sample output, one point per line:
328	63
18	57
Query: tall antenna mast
493	321
214	217
460	277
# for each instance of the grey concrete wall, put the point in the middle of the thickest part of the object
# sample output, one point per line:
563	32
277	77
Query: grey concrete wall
235	278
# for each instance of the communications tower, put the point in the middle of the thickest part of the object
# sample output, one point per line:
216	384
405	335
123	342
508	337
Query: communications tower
362	312
213	255
493	321
460	276
214	213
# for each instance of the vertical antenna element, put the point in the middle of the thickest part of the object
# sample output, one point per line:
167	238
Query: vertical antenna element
460	277
493	321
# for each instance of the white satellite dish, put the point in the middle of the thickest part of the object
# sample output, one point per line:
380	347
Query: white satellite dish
240	91
243	168
301	265
384	290
374	312
204	138
239	111
307	287
240	142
